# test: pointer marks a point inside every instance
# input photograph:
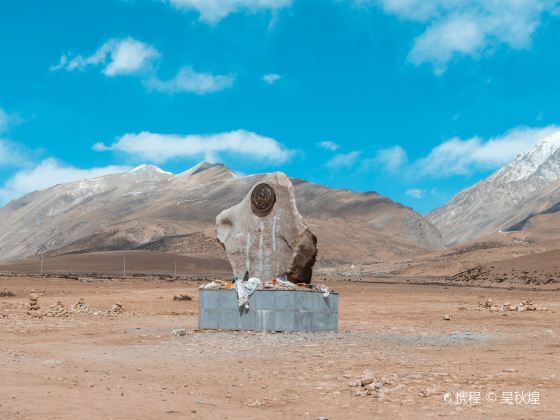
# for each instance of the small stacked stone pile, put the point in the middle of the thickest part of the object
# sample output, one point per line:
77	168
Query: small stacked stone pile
33	305
57	310
81	307
368	385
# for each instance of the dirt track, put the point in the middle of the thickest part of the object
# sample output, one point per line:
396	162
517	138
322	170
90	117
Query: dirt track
130	366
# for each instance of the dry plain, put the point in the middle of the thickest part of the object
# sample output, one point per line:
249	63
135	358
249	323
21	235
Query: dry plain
130	365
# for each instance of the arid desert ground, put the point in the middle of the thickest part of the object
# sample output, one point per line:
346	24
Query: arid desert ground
129	365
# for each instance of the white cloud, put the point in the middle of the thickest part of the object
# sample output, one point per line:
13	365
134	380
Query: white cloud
463	157
4	120
415	193
467	27
48	173
391	158
118	56
212	11
343	160
439	43
5	153
271	78
328	145
163	147
187	80
453	157
12	154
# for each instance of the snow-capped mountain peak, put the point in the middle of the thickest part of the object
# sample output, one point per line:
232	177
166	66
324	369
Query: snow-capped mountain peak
149	168
490	204
526	164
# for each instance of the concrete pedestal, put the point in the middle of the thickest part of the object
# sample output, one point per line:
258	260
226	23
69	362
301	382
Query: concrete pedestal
269	310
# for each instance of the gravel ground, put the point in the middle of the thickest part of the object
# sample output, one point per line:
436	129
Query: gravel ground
129	365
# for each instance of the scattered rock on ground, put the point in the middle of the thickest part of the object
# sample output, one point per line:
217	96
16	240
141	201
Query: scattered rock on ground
179	332
525	305
116	309
424	393
379	385
367	377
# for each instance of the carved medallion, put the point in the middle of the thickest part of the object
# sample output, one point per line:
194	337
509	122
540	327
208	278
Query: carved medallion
263	198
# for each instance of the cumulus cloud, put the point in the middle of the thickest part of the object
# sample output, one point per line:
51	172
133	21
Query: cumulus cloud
12	154
161	148
118	56
463	157
131	57
343	160
467	27
187	80
331	146
48	173
453	157
212	11
391	158
271	78
415	193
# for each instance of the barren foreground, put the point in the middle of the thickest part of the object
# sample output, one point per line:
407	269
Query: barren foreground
130	365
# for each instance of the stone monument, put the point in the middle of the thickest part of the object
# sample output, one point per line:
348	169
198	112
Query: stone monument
264	235
270	249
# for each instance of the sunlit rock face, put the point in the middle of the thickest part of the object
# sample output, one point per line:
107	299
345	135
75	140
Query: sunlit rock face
265	234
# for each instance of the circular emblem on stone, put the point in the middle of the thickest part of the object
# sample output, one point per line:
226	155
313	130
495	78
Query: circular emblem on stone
263	198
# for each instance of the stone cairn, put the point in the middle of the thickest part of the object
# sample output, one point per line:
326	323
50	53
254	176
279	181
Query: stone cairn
33	305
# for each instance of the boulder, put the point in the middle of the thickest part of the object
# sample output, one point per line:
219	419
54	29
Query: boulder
265	236
367	377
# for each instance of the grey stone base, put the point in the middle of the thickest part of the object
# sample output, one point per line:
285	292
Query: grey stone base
269	310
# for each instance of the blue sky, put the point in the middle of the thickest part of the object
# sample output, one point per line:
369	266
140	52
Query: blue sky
414	99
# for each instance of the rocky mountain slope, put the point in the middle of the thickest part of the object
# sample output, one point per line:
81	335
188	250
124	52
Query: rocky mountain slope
154	210
525	187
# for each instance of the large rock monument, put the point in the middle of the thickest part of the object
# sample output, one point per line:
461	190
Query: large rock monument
266	239
265	236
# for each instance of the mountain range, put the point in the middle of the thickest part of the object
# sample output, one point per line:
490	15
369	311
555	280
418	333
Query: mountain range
150	209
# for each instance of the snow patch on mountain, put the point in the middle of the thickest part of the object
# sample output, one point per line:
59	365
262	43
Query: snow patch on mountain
149	168
526	164
484	207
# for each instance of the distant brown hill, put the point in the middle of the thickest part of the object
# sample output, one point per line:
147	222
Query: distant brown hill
536	269
149	209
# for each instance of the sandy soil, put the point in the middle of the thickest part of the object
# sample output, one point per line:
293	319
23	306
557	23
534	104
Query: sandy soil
131	366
